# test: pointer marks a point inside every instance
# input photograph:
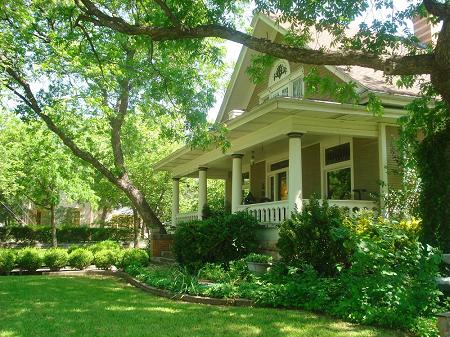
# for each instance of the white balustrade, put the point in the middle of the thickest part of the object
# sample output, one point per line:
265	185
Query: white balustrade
268	212
277	211
186	217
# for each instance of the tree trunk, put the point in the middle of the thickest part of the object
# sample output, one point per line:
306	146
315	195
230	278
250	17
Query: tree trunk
53	224
135	228
142	227
103	216
137	198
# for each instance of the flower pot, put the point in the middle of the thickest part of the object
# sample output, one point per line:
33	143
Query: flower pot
258	268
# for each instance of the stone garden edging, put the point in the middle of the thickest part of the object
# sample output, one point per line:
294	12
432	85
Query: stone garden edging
236	302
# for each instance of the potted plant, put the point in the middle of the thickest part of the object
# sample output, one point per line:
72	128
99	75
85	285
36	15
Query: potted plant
258	263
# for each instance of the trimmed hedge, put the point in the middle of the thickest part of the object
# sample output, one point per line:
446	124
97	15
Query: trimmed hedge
67	234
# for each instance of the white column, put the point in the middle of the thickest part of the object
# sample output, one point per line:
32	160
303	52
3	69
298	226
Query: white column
382	161
295	187
175	199
228	189
202	190
236	182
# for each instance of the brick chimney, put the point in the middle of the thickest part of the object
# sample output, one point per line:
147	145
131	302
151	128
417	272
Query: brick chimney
422	29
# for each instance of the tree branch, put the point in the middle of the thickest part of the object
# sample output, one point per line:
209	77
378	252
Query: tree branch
397	65
29	99
440	10
169	13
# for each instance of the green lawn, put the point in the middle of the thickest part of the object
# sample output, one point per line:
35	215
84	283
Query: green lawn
81	306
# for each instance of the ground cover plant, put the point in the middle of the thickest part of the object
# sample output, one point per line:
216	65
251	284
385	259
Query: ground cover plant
375	271
85	306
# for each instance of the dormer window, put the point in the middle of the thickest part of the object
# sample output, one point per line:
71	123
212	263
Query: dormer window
283	83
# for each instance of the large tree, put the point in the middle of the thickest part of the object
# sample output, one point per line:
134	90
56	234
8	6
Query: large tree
39	169
87	82
385	44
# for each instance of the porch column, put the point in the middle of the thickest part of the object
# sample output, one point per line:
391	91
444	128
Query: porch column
228	189
236	182
295	172
175	199
202	191
382	161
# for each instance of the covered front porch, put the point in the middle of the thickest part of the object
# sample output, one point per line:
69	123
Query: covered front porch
286	151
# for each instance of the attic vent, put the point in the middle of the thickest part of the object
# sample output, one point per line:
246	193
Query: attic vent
235	113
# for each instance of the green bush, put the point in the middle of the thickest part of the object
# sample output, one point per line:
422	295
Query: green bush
56	258
105	258
218	239
133	256
315	236
258	258
107	244
69	234
7	260
80	258
29	259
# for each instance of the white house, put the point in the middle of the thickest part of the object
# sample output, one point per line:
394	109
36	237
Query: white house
286	146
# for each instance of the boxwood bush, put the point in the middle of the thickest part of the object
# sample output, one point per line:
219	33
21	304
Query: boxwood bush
56	258
132	257
217	239
29	259
105	258
7	260
80	258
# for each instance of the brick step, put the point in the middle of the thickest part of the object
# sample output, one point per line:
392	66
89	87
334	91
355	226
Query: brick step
167	254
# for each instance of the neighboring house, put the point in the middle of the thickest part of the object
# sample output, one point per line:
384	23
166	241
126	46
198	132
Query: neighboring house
286	147
67	213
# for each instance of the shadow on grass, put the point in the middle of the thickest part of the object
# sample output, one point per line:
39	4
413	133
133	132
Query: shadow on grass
81	306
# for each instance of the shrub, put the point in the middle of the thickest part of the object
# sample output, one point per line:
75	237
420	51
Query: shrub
218	239
315	236
133	256
258	258
80	258
66	233
56	258
7	260
107	244
29	259
105	258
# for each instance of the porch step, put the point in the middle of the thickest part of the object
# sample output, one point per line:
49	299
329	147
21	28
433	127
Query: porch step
163	260
167	254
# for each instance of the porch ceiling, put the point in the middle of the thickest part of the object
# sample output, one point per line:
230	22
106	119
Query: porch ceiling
270	122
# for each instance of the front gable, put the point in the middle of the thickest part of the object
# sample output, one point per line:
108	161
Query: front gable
243	95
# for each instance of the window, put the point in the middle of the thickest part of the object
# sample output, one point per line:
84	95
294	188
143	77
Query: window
337	154
279	165
297	88
339	184
338	172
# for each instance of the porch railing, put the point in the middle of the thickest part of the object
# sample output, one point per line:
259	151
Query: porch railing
278	211
268	212
185	217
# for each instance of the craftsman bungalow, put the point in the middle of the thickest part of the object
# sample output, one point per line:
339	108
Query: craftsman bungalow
287	146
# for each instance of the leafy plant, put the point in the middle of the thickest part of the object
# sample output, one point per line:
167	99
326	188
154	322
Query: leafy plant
7	260
219	239
107	244
80	258
55	258
258	258
315	236
133	257
105	258
29	259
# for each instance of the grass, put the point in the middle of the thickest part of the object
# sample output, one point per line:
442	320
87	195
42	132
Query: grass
86	306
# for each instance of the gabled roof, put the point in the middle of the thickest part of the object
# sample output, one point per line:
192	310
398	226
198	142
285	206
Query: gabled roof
366	79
